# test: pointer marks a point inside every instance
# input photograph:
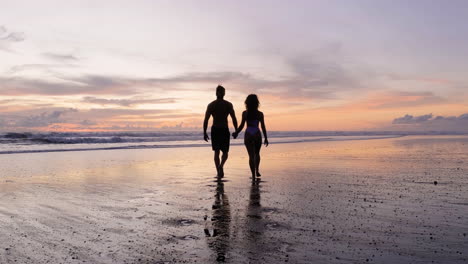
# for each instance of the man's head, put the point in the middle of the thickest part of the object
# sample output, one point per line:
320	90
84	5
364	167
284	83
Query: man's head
220	91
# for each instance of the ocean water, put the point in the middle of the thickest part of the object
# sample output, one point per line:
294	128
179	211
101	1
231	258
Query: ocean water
29	142
72	141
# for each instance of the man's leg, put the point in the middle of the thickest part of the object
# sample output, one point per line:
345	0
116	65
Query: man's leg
224	157
225	150
216	160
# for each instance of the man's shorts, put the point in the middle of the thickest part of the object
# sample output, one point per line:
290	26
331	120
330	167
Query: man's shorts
220	137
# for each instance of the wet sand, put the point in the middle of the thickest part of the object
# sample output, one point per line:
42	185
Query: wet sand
400	200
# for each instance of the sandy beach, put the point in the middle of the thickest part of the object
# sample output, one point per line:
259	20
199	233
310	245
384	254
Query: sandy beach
396	200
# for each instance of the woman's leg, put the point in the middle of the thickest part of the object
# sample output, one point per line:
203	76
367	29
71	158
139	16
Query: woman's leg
258	146
251	150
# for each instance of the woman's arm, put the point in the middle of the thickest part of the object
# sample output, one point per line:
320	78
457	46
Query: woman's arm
241	125
262	122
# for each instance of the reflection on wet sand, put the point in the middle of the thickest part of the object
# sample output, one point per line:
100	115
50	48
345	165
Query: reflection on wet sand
218	238
255	225
361	201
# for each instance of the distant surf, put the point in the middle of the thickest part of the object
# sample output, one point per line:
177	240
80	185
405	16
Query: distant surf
30	142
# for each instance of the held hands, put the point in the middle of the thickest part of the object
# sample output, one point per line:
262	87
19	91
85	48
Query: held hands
205	137
266	142
235	134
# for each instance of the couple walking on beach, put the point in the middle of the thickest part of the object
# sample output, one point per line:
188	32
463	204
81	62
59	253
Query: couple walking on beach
220	109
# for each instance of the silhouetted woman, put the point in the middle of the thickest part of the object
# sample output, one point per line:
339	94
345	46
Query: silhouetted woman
253	137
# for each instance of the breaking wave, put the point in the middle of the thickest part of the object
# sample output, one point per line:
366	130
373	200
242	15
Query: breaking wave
31	142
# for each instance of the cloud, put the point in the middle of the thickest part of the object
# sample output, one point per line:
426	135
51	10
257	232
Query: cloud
127	102
44	118
90	84
409	119
7	38
320	74
463	117
397	100
401	99
313	71
223	76
53	118
430	123
100	84
60	57
109	113
87	122
14	37
58	62
36	67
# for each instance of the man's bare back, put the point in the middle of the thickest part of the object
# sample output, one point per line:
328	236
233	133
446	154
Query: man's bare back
220	109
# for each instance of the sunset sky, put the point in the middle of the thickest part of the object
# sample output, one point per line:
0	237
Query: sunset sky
315	65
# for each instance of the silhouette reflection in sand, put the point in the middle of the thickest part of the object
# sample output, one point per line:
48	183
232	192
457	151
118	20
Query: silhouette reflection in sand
218	237
255	224
218	228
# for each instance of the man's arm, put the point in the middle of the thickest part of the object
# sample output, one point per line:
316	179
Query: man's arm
233	116
205	123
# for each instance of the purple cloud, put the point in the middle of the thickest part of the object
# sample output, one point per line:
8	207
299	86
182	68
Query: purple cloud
127	102
409	119
430	123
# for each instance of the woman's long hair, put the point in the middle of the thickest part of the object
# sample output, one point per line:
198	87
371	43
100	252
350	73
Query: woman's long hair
252	104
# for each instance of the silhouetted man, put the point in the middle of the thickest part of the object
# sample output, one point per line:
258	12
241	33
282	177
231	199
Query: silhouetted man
220	135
